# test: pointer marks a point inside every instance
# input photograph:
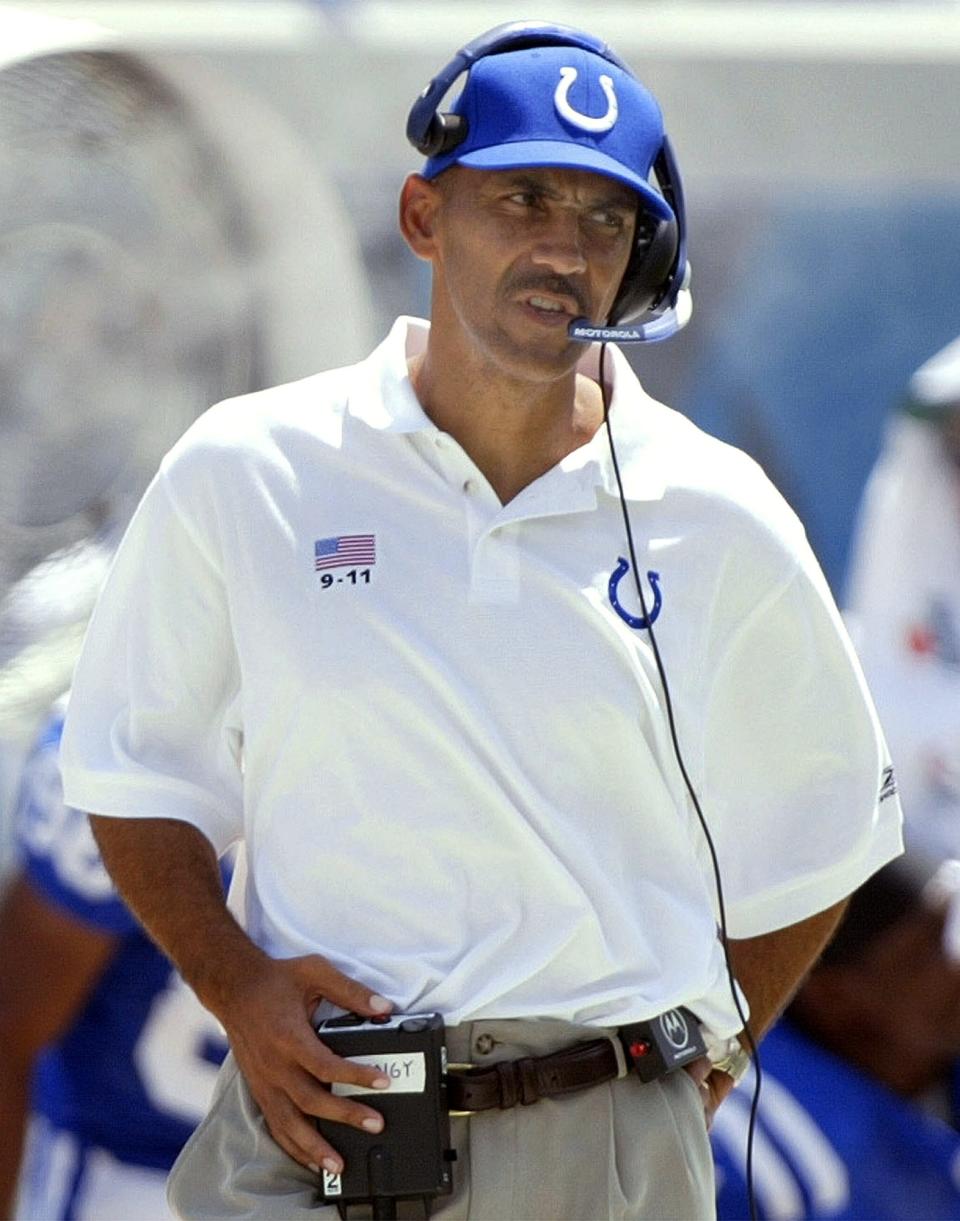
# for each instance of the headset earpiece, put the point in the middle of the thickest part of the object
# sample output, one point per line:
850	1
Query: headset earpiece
656	282
648	276
443	135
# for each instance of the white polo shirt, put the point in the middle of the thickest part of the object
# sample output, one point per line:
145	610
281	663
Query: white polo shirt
444	746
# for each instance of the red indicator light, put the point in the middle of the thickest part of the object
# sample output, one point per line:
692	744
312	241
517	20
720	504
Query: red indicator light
638	1049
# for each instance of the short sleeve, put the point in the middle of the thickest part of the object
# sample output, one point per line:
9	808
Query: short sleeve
153	728
55	845
796	767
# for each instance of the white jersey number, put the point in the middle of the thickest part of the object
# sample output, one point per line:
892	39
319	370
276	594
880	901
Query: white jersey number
168	1055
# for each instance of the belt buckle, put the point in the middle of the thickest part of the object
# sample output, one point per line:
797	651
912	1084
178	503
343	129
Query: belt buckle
460	1064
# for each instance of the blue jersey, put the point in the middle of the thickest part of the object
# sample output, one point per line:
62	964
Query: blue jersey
134	1073
832	1143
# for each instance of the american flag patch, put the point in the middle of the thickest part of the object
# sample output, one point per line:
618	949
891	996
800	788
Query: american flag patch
344	551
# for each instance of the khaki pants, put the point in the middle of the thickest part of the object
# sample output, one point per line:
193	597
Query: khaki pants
620	1149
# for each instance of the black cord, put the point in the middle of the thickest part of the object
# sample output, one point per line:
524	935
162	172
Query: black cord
678	754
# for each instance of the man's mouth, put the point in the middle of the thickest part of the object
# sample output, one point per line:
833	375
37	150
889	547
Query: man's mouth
552	305
545	303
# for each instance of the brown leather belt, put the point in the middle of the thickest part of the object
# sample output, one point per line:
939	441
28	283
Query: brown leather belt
525	1081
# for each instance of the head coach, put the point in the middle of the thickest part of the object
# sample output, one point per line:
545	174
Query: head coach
527	699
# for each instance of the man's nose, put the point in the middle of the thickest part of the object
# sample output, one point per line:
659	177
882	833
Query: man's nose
559	246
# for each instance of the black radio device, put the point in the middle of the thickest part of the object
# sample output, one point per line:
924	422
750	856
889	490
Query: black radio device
662	1044
411	1158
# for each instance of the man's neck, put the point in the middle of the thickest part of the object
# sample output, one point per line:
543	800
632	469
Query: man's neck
514	430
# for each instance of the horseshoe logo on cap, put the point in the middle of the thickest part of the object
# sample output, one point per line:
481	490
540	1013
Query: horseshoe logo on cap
585	121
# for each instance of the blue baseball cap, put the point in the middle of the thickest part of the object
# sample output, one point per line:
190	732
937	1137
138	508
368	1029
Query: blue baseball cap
559	106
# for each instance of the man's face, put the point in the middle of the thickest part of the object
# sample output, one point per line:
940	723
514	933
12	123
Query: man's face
520	253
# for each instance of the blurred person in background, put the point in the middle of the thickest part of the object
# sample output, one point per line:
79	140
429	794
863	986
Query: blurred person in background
860	1109
107	1060
903	601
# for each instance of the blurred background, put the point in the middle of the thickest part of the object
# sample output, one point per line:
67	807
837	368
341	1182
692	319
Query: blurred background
197	198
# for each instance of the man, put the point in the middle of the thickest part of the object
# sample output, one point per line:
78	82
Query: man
904	598
379	626
859	1111
105	1049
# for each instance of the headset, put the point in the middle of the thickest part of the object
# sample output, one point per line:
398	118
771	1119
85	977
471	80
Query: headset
654	294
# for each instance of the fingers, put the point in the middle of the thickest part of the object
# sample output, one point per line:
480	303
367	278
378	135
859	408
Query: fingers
720	1085
298	1136
333	1068
322	979
291	1108
288	1069
303	1068
713	1091
699	1069
713	1085
303	1049
313	1100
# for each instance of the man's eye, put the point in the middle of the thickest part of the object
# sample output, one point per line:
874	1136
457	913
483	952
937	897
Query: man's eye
607	219
526	199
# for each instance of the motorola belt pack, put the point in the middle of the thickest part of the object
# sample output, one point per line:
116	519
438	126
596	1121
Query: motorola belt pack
663	1043
411	1158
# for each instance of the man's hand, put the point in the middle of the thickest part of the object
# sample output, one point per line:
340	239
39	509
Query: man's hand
167	872
714	1085
769	968
267	1018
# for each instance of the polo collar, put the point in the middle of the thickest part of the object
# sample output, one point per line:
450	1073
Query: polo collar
382	397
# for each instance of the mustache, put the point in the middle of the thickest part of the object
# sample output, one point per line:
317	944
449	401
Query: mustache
560	285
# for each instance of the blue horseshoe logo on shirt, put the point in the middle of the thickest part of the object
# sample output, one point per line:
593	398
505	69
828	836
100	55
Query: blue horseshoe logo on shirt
637	621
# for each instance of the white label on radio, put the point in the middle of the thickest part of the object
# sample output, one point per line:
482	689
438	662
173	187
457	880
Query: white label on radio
407	1071
332	1184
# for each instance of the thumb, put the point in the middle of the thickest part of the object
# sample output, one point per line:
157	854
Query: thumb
699	1069
321	980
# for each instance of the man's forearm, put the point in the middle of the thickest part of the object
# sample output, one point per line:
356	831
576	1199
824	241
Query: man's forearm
770	968
167	873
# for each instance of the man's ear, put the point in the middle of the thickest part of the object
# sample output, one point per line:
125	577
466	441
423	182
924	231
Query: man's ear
420	201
